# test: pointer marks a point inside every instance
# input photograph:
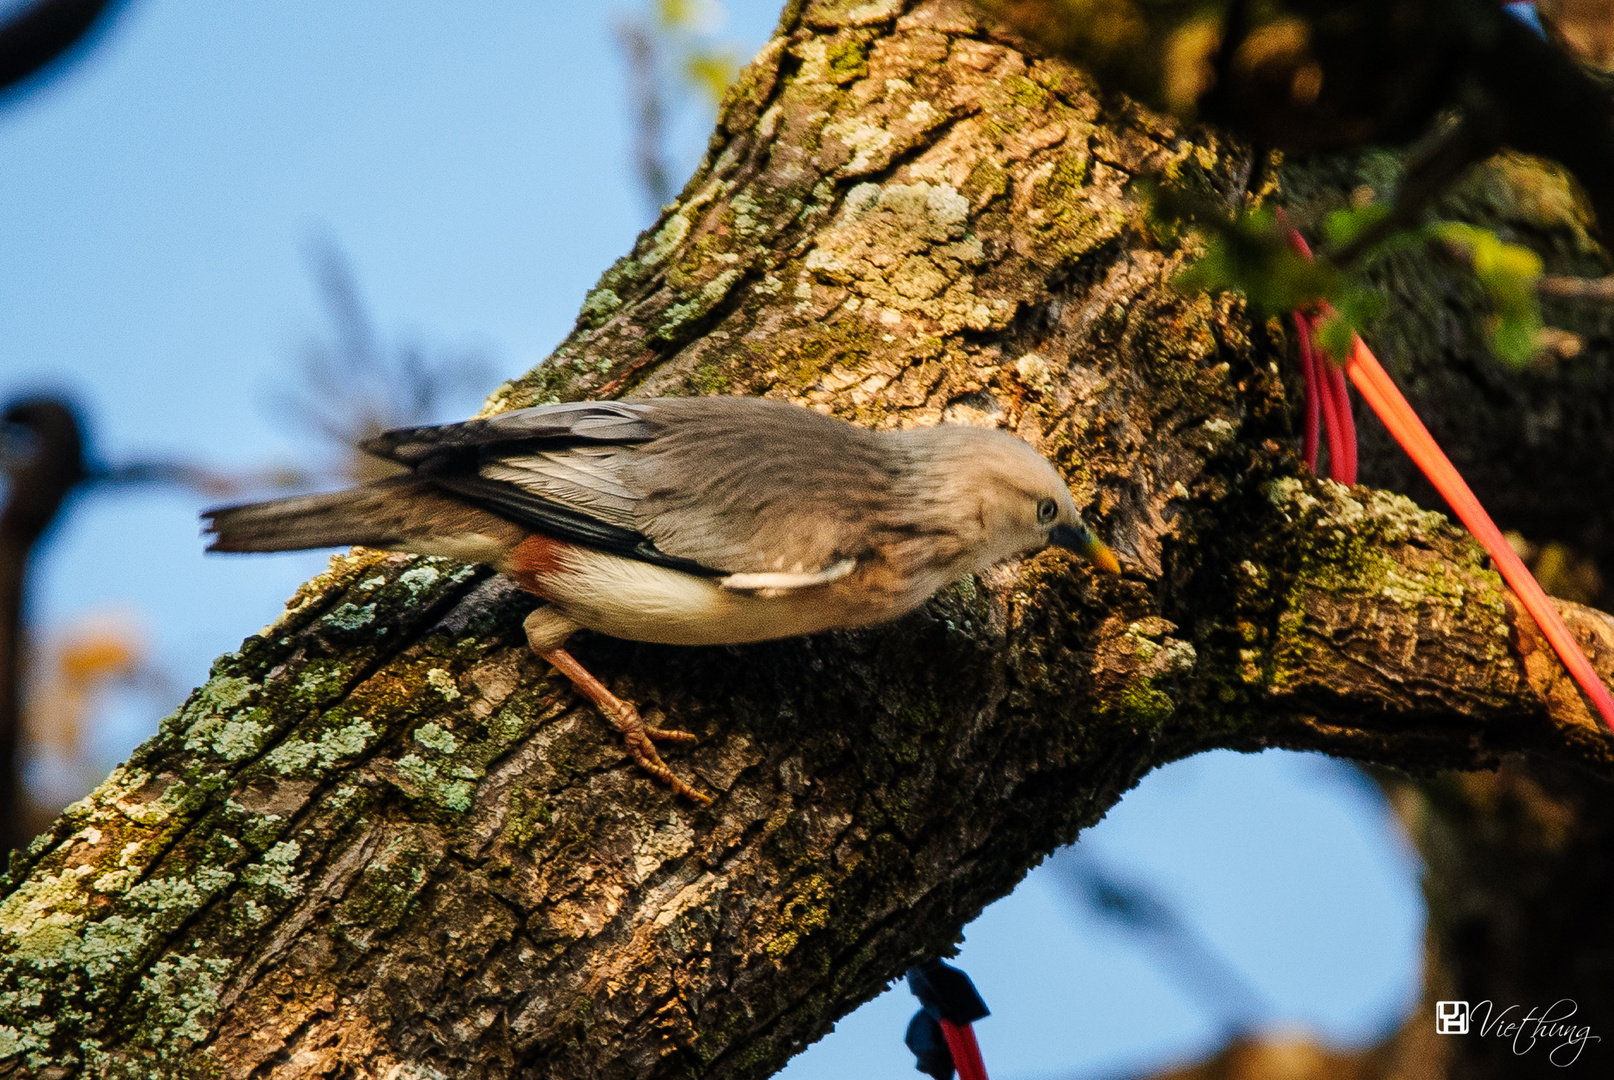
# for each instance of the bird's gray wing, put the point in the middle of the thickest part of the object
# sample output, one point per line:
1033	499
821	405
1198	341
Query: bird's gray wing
586	478
762	495
779	496
553	518
570	423
551	469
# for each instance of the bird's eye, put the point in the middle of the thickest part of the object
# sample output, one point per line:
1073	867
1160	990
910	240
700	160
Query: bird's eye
1047	510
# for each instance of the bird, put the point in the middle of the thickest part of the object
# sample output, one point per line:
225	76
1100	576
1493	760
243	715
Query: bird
716	520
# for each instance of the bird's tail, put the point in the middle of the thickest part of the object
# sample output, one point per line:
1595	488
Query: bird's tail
368	515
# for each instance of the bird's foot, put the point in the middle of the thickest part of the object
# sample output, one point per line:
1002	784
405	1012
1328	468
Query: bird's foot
639	736
641	739
661	734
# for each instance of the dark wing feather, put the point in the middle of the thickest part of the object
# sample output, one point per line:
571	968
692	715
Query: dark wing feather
575	422
533	511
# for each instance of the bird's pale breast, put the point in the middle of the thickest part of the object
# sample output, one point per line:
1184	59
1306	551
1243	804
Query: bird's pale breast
639	601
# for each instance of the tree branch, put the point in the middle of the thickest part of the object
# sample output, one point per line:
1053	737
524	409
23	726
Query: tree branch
39	478
383	836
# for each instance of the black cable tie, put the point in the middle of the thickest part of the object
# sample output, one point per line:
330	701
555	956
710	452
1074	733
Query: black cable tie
946	993
929	1045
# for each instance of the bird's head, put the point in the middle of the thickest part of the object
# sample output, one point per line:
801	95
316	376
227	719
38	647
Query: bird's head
1021	500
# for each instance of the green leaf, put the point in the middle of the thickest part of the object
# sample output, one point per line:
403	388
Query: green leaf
1354	309
711	72
1343	226
1509	274
1251	255
1515	341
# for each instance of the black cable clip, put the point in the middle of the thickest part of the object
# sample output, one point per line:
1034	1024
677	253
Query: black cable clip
944	993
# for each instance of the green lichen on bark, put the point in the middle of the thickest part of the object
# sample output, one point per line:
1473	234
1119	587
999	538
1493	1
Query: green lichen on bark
1530	441
384	839
1358	553
193	833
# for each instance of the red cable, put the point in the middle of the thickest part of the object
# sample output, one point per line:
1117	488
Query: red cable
1326	381
1333	422
1385	398
1328	385
1344	470
965	1050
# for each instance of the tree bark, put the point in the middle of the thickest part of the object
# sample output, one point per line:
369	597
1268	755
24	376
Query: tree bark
1536	443
385	840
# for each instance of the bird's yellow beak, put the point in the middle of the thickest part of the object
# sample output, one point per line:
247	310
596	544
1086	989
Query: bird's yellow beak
1102	558
1084	543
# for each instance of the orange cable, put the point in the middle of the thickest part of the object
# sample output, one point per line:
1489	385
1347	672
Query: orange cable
1386	399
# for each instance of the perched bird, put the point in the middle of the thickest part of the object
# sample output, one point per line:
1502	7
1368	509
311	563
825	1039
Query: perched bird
690	521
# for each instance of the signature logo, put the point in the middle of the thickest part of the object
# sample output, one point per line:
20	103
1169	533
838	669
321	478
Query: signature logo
1451	1018
1548	1029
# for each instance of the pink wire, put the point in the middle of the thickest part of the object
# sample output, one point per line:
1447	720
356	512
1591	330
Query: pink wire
1344	468
1387	401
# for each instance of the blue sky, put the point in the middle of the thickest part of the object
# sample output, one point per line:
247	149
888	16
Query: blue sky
157	201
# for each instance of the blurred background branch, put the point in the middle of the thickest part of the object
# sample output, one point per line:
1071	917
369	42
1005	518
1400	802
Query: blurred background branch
43	459
1141	910
43	32
675	60
351	384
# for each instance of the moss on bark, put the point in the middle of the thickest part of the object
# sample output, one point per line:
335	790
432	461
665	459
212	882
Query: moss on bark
384	840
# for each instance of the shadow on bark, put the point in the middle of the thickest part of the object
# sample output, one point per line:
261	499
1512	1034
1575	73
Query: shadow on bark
382	840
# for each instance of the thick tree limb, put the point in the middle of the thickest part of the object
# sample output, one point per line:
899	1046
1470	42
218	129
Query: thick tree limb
384	839
1536	444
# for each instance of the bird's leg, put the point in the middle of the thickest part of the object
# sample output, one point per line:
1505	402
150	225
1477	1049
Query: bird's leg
637	734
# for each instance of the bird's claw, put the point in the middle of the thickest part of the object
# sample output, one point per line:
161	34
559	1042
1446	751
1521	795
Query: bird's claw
639	736
661	734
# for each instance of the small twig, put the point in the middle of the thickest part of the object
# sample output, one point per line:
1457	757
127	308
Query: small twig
1575	288
1430	170
213	483
649	111
1558	286
355	384
1192	961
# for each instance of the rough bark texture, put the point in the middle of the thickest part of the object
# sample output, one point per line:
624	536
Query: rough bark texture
384	840
1535	443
